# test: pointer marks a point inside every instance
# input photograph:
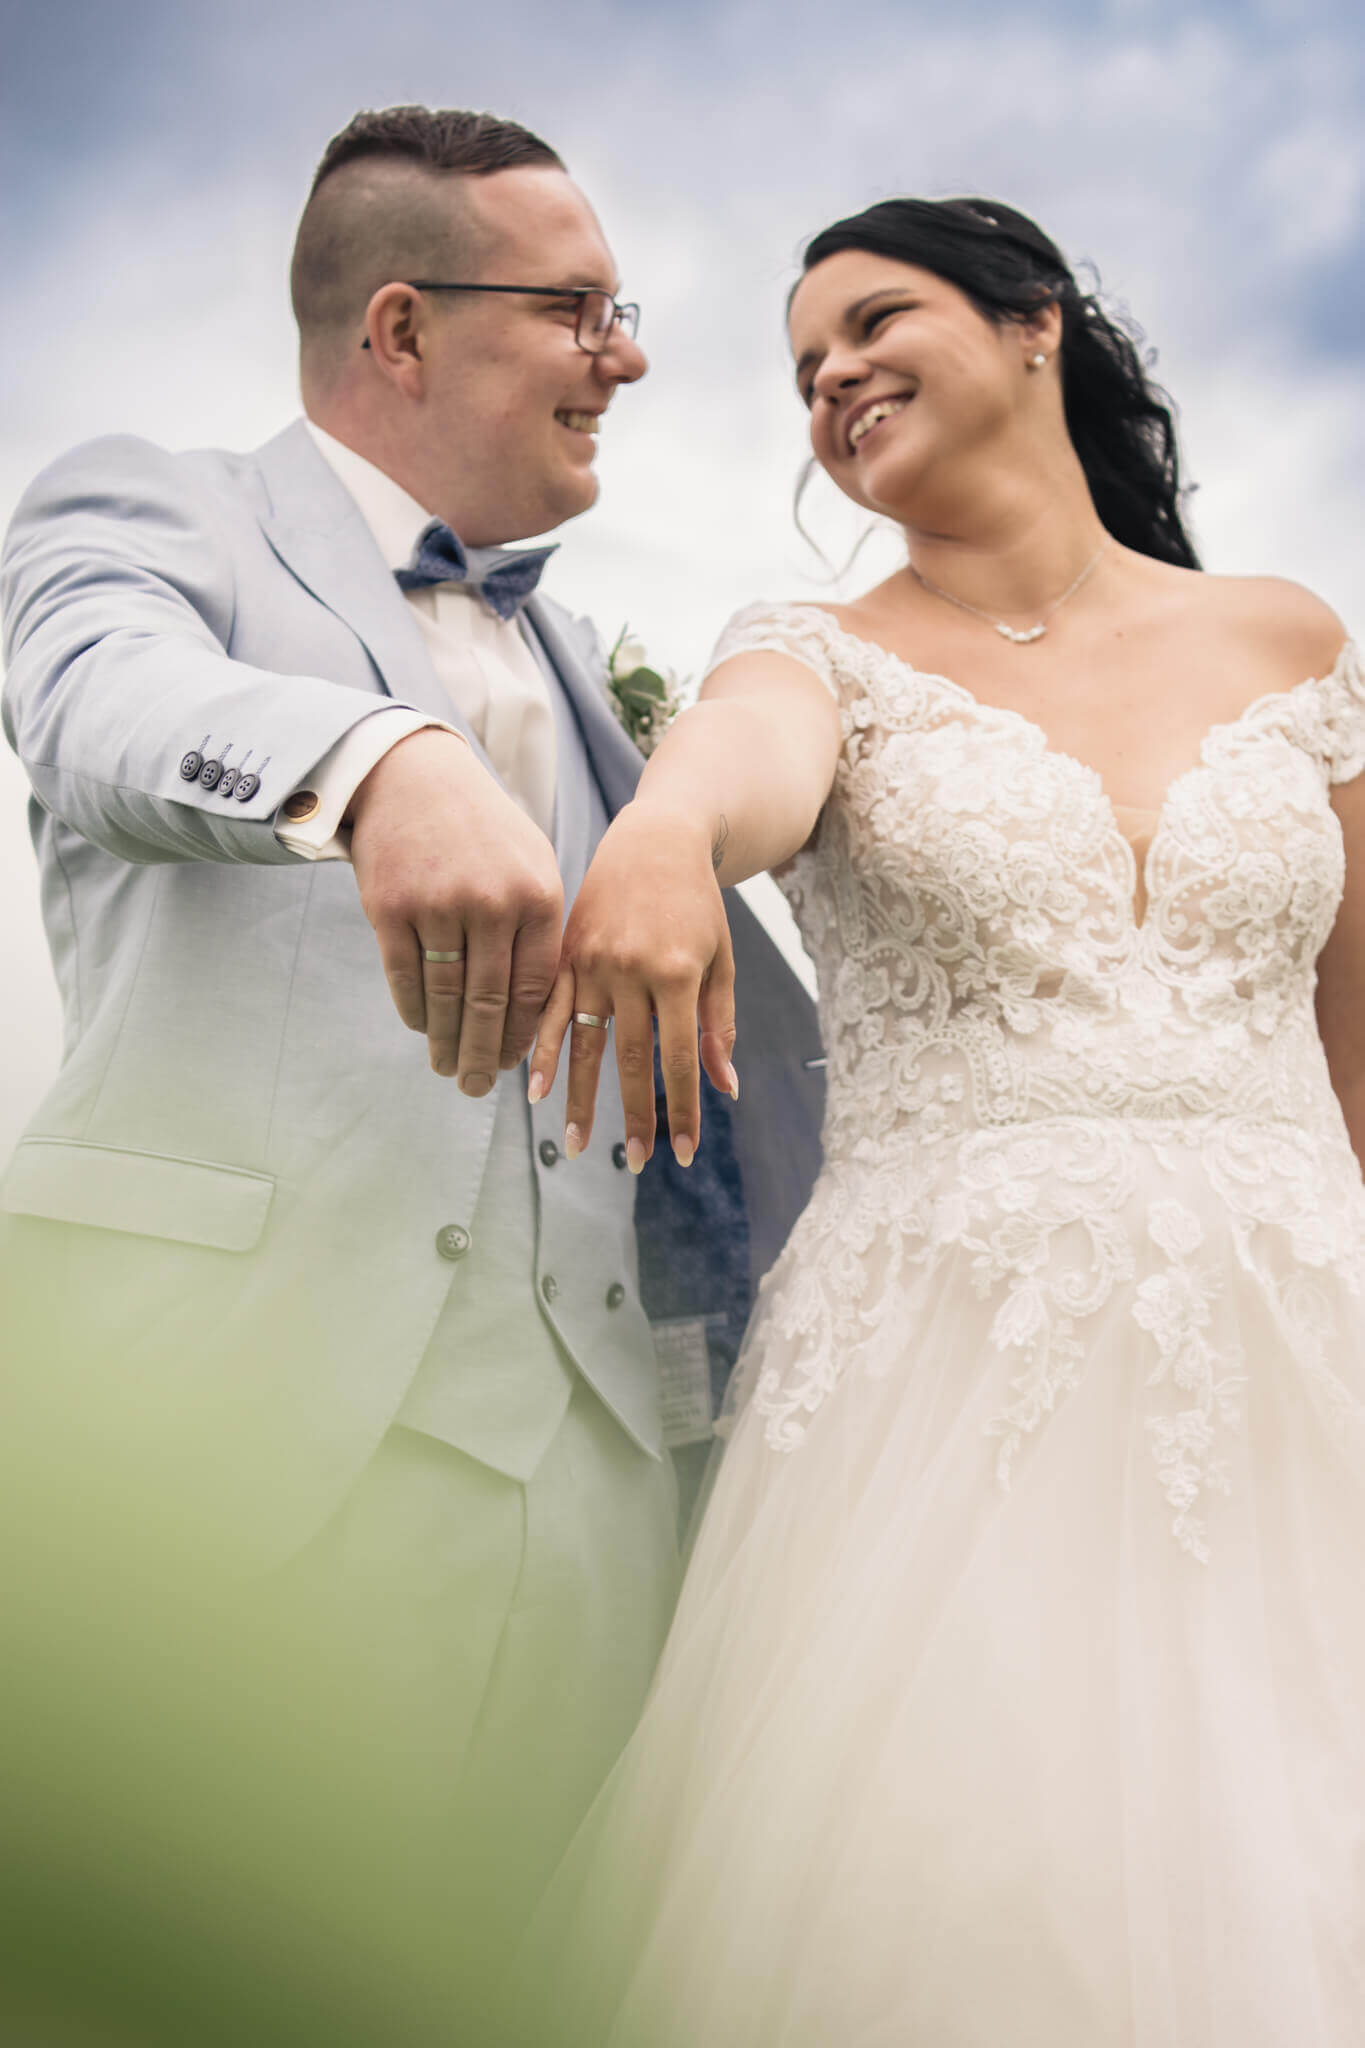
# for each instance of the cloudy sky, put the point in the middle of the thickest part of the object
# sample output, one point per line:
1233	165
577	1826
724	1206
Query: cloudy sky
1209	160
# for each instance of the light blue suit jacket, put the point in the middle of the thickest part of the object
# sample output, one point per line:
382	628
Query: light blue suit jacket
237	1100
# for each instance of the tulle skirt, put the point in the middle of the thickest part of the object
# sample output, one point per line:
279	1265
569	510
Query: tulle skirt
971	1736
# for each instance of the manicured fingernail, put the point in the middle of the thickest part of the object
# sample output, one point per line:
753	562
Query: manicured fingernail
734	1081
573	1141
476	1084
539	1087
635	1154
684	1151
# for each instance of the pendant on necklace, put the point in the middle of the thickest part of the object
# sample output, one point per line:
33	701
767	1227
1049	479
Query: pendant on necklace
1019	639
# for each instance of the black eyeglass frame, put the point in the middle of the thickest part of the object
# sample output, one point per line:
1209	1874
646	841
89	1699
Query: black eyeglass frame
625	316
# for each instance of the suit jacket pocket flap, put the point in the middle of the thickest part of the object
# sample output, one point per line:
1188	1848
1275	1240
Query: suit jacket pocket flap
148	1193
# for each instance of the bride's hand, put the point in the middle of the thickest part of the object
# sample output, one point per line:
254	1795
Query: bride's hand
647	937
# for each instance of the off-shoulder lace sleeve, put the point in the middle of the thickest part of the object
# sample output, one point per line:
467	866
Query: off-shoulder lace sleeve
1324	716
802	631
1341	707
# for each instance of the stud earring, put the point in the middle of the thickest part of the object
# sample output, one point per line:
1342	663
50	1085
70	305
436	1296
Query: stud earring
1037	362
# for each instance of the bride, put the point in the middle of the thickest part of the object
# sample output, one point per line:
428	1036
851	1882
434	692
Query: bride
1017	1691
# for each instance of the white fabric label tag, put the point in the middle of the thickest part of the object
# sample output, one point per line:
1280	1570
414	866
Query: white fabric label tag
684	1381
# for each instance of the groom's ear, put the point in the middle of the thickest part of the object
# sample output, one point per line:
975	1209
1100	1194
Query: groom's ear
395	336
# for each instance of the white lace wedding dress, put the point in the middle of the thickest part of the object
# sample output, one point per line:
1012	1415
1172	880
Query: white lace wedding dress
1017	1694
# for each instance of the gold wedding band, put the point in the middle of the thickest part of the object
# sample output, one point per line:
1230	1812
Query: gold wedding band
428	954
586	1017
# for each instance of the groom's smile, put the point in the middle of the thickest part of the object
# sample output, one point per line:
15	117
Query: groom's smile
513	401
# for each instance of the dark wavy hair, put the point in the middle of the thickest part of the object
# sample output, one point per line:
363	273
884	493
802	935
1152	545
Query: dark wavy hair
1121	423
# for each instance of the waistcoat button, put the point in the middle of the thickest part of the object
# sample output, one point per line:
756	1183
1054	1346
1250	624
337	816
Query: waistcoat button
453	1241
616	1294
618	1154
549	1152
549	1287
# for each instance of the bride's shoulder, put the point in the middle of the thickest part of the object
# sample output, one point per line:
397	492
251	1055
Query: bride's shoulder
798	623
783	609
1288	624
802	632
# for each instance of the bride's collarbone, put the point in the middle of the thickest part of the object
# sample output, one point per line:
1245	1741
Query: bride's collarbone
1198	645
1134	703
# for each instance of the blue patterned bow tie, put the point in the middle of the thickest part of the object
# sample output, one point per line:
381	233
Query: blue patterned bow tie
503	577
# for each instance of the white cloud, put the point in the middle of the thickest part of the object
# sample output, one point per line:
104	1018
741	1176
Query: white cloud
1313	181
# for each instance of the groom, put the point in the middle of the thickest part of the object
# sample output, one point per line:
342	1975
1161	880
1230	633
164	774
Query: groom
312	762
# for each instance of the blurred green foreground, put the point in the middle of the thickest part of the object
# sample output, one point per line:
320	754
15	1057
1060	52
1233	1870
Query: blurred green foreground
212	1828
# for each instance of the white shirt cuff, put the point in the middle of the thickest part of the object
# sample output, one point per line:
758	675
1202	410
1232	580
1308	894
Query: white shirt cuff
308	822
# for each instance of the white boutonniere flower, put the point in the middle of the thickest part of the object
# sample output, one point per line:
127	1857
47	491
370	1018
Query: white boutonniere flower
645	697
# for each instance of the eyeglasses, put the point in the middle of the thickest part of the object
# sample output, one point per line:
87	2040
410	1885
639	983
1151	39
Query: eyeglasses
599	315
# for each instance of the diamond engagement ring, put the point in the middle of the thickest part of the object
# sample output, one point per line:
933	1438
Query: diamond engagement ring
428	954
586	1017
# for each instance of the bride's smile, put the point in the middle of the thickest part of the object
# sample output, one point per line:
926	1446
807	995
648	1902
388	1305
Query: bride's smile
904	376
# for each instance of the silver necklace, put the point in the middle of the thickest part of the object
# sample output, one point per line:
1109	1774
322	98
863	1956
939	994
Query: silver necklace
1020	638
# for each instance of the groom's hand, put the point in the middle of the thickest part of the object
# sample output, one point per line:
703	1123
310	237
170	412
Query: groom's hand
447	863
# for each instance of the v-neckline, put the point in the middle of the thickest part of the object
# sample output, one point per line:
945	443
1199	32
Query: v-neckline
1140	871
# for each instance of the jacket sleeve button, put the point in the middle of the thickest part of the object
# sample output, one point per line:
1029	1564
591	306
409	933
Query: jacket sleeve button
453	1241
247	788
211	774
616	1294
190	764
549	1152
231	777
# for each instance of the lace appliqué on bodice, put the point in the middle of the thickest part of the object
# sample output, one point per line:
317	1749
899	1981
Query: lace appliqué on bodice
1026	1075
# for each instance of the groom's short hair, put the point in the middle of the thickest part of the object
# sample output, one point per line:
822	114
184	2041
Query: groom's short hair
379	209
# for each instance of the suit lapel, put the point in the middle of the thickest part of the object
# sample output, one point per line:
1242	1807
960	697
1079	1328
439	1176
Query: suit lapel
579	816
316	529
616	760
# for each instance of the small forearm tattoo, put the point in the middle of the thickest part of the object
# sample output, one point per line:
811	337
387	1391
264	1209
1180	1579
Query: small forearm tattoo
719	842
